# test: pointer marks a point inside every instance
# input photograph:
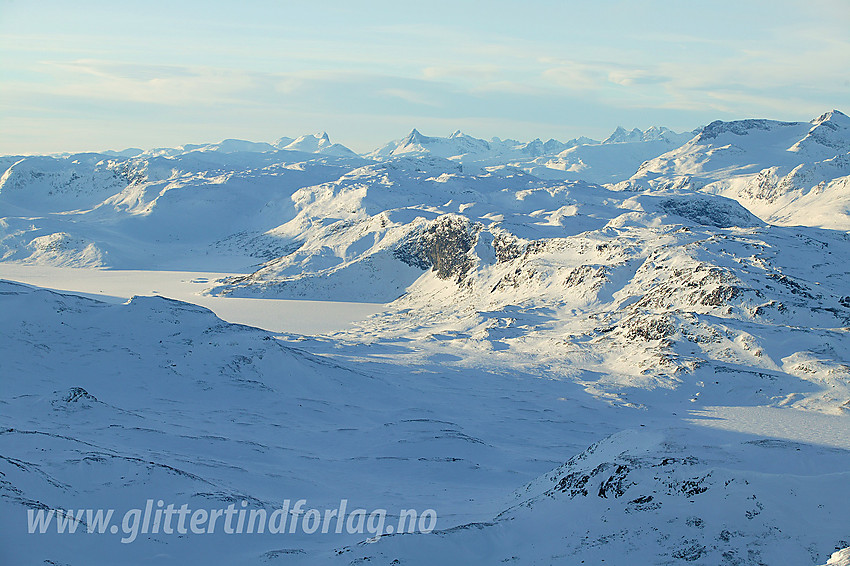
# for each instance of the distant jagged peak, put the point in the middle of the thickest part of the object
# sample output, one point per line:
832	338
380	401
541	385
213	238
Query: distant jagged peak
318	143
455	144
415	137
656	132
319	137
830	130
620	135
553	146
582	140
653	133
833	116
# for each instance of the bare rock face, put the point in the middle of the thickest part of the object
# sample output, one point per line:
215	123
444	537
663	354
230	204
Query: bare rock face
710	212
444	246
73	399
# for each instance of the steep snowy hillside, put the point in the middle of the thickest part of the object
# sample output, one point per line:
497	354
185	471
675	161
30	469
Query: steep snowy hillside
791	173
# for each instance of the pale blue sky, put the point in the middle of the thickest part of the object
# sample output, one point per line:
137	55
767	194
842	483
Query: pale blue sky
89	75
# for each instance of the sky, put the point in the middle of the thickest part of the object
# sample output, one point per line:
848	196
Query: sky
95	75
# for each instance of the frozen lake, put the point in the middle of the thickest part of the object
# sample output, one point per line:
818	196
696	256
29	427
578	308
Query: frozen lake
276	315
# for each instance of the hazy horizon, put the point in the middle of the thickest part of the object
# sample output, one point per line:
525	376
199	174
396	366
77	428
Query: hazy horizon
93	76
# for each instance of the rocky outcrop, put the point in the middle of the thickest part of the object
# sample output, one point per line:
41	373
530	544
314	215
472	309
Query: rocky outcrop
443	246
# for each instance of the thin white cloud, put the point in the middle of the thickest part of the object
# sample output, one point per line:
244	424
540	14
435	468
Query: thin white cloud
576	76
411	96
465	72
507	87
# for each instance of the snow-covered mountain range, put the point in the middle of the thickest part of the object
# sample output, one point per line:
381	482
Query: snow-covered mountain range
791	173
565	324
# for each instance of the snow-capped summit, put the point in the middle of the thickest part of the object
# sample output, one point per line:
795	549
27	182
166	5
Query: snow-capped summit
620	135
319	143
455	145
784	172
310	143
830	131
653	133
742	128
834	116
236	146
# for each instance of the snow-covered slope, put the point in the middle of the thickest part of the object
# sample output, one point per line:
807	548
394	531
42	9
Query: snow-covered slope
617	157
649	497
206	207
160	399
108	405
792	173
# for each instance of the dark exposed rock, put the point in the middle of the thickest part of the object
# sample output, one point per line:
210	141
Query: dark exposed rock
792	285
738	127
722	213
515	279
689	551
649	328
615	485
583	273
506	247
720	295
76	394
443	246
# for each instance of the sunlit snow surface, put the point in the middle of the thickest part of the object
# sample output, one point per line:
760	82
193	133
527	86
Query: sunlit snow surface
654	371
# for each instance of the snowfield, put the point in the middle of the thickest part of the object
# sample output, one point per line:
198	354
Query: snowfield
573	352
